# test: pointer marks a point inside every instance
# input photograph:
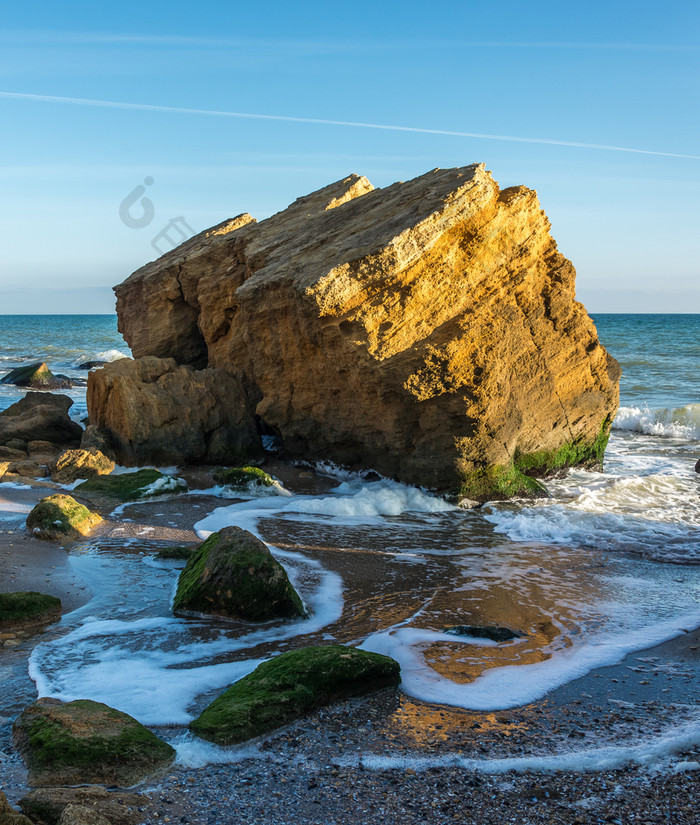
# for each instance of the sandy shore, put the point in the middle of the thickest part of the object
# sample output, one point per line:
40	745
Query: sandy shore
327	768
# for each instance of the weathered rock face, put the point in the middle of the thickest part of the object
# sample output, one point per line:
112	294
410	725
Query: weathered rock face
157	411
428	330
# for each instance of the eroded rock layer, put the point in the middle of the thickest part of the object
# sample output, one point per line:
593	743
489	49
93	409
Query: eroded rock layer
428	330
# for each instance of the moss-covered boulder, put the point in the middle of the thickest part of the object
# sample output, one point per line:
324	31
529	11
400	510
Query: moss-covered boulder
9	816
234	574
74	464
133	486
86	742
291	685
61	517
46	805
243	477
27	608
37	376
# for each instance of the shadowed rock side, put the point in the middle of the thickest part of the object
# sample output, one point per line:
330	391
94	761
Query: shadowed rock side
156	411
428	330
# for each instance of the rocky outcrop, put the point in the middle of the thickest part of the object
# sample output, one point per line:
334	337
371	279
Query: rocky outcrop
233	574
292	685
83	741
428	330
155	411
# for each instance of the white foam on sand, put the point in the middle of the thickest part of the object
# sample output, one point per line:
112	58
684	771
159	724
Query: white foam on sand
500	688
608	757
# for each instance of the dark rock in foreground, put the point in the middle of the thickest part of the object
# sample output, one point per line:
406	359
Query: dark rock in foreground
234	574
158	412
46	805
291	685
91	365
27	608
473	631
83	742
61	517
40	416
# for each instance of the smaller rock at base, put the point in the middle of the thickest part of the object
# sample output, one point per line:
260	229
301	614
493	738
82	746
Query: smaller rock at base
28	608
74	464
84	742
290	686
473	631
46	805
132	486
9	816
80	815
242	477
61	517
233	574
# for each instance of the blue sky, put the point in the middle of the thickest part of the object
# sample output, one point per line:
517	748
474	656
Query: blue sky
618	74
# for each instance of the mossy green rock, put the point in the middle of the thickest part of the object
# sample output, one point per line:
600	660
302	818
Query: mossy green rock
28	375
176	553
234	574
291	685
61	517
133	486
86	742
243	477
520	478
28	608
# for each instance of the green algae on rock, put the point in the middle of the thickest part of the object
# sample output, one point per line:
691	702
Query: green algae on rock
243	476
74	464
133	486
26	608
84	742
61	517
234	574
519	479
292	685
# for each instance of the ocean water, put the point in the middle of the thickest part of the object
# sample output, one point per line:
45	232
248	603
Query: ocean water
607	565
63	342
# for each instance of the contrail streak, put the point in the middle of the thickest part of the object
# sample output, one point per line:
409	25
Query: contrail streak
150	107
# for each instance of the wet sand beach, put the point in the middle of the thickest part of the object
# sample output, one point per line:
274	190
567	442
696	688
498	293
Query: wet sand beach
388	757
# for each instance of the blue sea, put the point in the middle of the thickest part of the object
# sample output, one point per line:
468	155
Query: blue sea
607	566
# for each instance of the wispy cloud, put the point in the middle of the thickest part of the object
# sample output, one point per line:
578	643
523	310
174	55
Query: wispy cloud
150	107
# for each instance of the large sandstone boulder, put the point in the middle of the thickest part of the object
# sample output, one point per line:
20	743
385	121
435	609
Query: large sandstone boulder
158	412
83	741
428	330
234	574
291	685
40	416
